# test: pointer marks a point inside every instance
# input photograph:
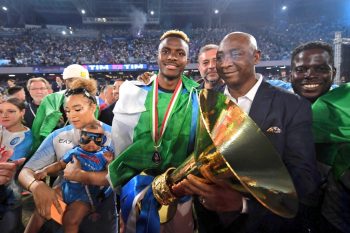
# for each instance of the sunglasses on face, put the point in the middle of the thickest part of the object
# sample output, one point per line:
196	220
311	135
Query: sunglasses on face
77	91
87	137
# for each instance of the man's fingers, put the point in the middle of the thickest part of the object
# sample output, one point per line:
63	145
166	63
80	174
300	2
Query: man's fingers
4	180
6	172
181	189
198	185
19	162
7	166
209	176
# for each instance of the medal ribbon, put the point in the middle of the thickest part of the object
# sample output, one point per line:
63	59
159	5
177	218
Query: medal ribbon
155	135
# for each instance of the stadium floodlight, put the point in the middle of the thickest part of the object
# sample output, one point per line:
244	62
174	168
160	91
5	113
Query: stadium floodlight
216	11
71	32
64	32
83	11
4	8
284	8
151	12
12	75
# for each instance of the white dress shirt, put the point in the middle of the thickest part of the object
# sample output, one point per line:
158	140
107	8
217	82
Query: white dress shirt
245	102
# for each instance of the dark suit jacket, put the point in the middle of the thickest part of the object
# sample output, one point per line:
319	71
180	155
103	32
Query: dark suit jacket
106	115
28	115
275	107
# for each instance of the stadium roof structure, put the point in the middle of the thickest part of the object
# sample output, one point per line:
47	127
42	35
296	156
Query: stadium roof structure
69	12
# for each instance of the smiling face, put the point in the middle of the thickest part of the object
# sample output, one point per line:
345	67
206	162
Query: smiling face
207	65
236	59
79	110
172	57
312	73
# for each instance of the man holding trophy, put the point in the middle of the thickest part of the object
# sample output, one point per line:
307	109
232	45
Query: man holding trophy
241	174
285	119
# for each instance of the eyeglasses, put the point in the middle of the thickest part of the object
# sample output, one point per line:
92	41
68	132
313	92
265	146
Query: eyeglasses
39	88
87	137
77	91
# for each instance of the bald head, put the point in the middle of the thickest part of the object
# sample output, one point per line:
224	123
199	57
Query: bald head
236	59
243	38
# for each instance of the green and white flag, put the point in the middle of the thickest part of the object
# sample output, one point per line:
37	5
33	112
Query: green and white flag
132	130
331	127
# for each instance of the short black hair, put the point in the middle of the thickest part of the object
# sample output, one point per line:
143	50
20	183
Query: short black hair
14	90
314	45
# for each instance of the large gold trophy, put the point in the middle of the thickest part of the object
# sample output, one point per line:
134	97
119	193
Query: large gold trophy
230	146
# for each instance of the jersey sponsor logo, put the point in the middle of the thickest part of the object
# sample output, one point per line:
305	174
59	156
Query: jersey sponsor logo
93	159
66	141
14	141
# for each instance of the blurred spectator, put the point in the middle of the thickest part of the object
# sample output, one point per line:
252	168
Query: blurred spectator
11	82
38	88
16	141
107	114
58	84
39	47
108	95
17	91
50	114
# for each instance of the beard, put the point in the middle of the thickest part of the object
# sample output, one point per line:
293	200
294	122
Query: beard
210	81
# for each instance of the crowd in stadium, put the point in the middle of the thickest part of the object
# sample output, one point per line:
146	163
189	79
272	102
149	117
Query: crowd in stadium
70	127
26	47
103	151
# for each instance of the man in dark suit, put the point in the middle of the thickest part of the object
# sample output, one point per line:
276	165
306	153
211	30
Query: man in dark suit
285	119
107	114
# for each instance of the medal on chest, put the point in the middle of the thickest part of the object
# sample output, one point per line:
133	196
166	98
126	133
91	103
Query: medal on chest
157	135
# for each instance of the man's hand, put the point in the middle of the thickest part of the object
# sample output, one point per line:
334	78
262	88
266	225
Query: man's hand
8	170
218	197
145	77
